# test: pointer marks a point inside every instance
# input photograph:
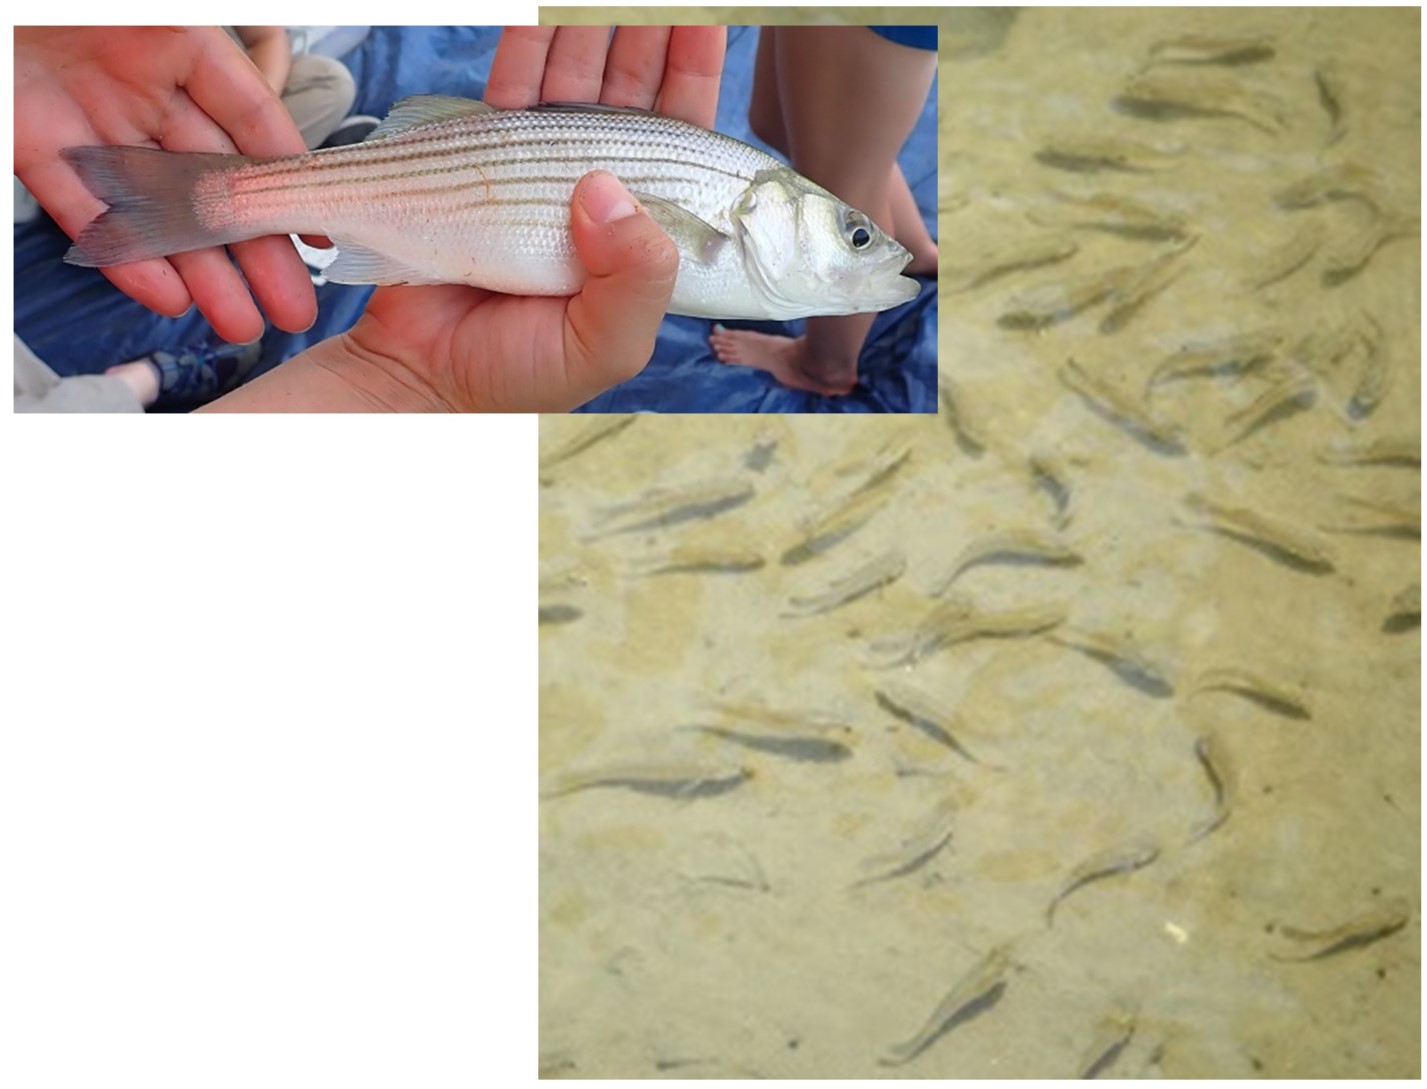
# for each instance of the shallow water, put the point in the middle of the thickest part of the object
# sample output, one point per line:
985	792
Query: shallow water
807	919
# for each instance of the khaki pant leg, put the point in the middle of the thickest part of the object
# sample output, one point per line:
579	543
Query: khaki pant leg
319	95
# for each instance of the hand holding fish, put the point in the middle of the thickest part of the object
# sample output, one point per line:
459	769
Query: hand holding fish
179	88
451	347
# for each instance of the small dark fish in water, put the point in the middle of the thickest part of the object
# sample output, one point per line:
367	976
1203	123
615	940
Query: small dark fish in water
1293	547
915	852
974	994
812	750
1278	698
1119	408
660	782
1356	933
1406	612
1198	49
1024	546
661	508
559	614
1112	1036
868	578
1215	762
1119	860
1123	659
919	711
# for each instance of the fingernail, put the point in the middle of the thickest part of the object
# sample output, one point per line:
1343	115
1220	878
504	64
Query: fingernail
605	198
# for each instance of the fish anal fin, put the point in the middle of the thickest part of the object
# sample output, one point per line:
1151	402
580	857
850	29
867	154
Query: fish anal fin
356	264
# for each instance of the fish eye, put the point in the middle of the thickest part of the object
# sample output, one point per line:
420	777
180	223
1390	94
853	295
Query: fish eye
860	237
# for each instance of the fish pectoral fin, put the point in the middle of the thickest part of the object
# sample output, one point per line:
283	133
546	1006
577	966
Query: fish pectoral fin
423	110
356	264
693	235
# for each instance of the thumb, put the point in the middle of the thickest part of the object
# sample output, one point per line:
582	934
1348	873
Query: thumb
611	324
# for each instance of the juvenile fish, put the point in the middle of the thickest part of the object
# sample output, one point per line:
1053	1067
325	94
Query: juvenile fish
956	620
683	782
697	560
1112	1036
1117	407
1374	375
1018	546
1196	49
1283	260
1356	933
1124	660
806	749
1130	297
604	427
967	426
1403	450
1278	698
1231	355
1119	215
1339	181
916	851
1222	780
1111	863
1092	154
1018	256
921	712
1330	97
1168	96
1288	545
1293	393
661	508
871	576
1051	477
851	511
559	614
1406	611
1057	301
1350	257
1379	519
974	994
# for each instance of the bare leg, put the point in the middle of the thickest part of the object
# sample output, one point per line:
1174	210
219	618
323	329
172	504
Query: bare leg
848	99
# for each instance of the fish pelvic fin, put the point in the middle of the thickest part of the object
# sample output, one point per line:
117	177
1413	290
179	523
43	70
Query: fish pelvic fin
152	208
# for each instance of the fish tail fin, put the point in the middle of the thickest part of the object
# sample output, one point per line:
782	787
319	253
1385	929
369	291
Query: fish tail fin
154	205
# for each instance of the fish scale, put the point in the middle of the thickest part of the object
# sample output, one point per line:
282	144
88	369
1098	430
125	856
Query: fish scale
453	191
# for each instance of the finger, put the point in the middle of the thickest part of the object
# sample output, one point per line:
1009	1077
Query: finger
518	66
635	67
611	325
692	73
574	69
227	86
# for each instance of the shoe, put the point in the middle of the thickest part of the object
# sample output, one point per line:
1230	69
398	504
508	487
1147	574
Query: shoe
195	376
351	131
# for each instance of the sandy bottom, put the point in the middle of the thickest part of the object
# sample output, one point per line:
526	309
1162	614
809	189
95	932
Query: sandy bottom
1205	741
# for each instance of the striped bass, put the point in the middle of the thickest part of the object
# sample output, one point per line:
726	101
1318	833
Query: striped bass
450	190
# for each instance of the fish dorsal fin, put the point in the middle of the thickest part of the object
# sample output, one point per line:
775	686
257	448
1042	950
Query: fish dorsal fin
696	237
592	107
425	110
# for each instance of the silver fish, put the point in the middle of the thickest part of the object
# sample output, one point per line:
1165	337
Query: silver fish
449	190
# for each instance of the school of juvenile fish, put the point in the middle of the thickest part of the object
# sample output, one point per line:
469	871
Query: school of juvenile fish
843	584
450	190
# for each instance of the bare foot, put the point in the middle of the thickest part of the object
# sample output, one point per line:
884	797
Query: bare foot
785	358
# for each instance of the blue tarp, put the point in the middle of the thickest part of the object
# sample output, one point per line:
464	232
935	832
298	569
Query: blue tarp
76	321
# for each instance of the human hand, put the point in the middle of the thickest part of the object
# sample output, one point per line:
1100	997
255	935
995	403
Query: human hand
182	89
474	350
